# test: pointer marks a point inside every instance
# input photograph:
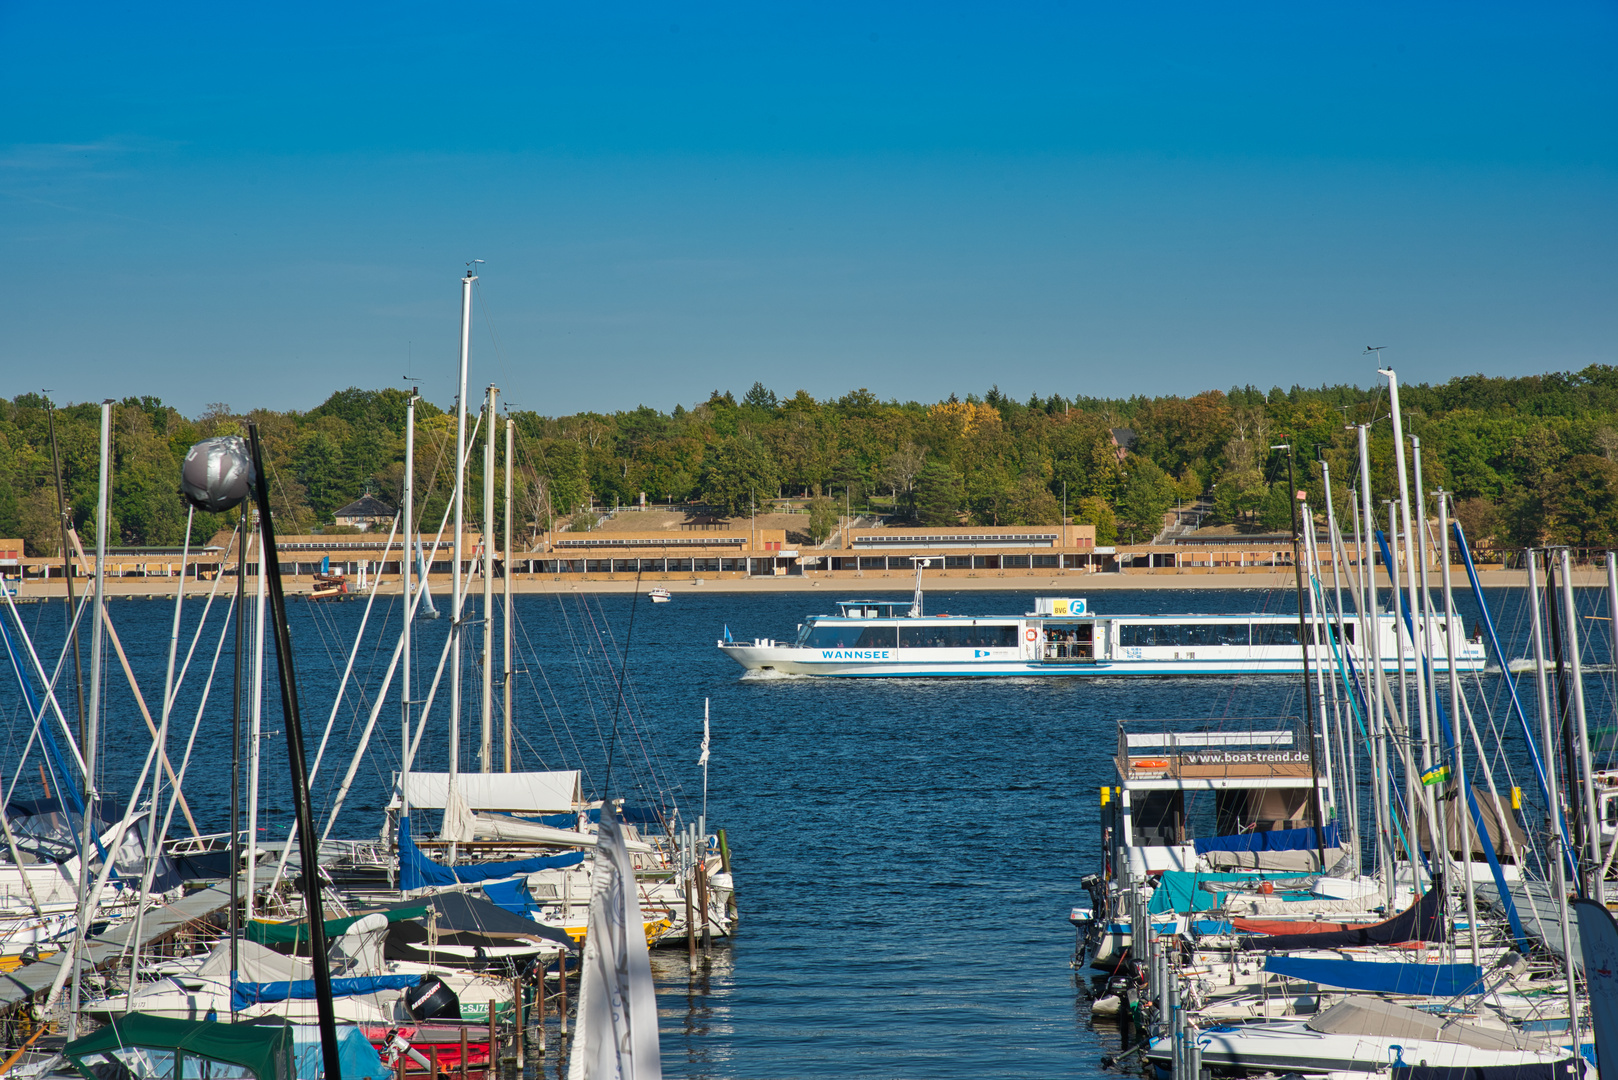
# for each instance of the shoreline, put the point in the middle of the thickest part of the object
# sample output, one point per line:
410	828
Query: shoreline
846	585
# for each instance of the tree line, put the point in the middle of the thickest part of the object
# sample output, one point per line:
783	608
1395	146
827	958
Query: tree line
1530	460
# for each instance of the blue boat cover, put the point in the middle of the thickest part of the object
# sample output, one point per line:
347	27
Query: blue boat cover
635	815
1277	840
1431	980
243	994
1181	890
417	871
360	1059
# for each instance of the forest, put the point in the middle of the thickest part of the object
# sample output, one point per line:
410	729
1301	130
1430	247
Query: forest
1530	460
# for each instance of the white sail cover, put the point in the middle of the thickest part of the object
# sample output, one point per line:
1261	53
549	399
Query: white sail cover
617	1019
516	792
1598	937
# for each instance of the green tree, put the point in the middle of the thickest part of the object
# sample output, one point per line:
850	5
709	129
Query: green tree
822	518
738	473
1147	495
939	495
1581	503
1094	510
1276	513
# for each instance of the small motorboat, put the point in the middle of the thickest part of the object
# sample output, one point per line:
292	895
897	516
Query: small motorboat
659	596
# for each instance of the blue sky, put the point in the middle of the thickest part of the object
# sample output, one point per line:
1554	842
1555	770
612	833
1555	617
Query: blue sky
211	203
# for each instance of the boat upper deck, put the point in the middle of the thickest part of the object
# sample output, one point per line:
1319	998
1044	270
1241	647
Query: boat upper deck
1160	755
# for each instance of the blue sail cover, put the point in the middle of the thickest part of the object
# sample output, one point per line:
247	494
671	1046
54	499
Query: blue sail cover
243	994
1430	980
417	871
1278	840
359	1058
635	815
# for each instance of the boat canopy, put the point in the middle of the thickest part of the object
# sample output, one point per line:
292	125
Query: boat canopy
1427	980
518	792
874	609
1274	840
145	1046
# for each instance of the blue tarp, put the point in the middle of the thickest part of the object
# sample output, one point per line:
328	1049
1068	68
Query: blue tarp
1431	980
417	871
243	994
511	895
1181	890
359	1057
1277	840
635	815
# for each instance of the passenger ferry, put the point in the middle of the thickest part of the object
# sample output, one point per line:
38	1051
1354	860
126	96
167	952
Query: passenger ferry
1061	636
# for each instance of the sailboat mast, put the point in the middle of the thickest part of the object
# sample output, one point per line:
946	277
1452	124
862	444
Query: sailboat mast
1563	858
1374	714
505	681
92	728
408	566
255	727
486	732
460	528
1461	780
1597	888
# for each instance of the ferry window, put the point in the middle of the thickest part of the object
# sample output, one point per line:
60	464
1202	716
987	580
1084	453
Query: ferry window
842	636
965	636
1275	633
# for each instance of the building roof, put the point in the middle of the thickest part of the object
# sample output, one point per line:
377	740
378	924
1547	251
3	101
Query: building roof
366	506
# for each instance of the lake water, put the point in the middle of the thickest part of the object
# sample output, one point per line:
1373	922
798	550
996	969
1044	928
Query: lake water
906	852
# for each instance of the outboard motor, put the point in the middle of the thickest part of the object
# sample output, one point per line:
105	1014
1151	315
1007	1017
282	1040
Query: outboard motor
432	1000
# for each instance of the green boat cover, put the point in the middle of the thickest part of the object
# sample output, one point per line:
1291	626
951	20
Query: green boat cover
297	933
264	1051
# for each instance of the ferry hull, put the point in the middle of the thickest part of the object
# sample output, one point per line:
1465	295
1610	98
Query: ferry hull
793	660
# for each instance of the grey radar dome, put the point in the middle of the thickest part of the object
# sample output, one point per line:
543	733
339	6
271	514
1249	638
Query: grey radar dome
217	474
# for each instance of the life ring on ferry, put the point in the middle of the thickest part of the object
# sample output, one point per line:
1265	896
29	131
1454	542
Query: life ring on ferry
1032	634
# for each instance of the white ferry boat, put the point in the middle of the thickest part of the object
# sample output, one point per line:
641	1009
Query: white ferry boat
1061	636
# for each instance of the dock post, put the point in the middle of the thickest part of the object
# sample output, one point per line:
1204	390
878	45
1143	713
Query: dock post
518	1028
464	1051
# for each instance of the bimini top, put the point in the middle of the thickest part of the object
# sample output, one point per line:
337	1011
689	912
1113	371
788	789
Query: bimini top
264	1052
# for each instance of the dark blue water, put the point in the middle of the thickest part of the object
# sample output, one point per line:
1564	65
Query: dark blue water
906	851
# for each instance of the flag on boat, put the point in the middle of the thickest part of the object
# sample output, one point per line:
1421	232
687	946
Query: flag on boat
727	633
616	1037
703	760
1436	775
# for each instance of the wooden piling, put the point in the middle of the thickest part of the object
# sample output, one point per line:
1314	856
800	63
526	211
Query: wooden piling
464	1051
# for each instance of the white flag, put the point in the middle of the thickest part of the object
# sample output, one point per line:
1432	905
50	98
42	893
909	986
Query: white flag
703	760
616	1038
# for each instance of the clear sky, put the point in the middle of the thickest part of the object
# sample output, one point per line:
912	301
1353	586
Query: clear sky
260	204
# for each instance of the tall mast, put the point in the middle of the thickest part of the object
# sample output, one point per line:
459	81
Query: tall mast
486	733
1412	553
1563	857
1378	676
255	725
1581	733
505	681
460	528
67	570
408	566
1317	810
1461	780
92	734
